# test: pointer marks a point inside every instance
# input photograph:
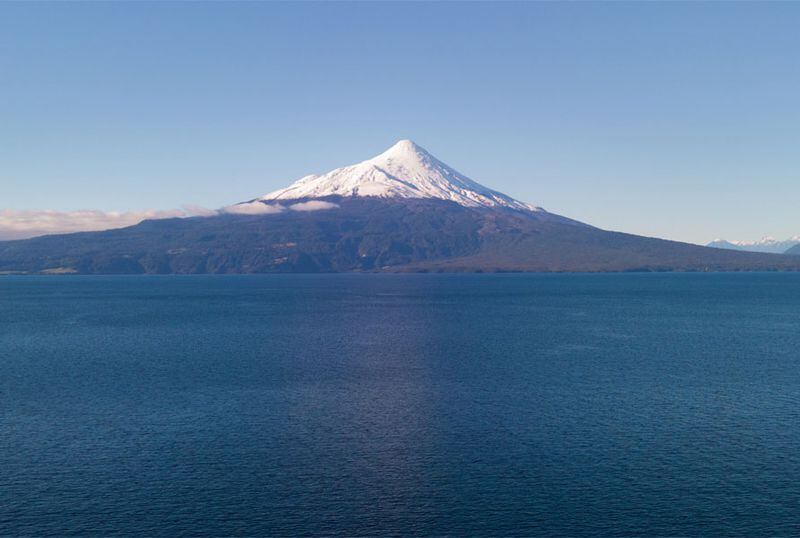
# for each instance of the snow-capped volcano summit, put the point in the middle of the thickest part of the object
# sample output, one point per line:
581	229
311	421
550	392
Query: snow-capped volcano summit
403	171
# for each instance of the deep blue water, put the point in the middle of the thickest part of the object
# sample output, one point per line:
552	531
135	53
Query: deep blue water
575	405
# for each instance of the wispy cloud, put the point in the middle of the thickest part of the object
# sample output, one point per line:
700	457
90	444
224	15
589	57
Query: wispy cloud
313	205
257	207
253	208
19	224
22	224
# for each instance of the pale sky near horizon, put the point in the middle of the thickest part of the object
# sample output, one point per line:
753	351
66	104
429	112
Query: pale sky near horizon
675	120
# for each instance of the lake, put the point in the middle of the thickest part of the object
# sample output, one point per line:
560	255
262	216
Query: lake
529	405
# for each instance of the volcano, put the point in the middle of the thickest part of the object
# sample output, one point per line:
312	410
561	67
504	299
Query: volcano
401	211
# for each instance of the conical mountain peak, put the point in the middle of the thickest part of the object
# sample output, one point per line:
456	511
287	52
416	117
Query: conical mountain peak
404	147
403	151
405	170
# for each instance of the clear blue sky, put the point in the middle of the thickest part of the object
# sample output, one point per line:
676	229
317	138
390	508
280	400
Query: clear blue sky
674	120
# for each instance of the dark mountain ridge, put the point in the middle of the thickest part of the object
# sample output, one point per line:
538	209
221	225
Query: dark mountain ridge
370	234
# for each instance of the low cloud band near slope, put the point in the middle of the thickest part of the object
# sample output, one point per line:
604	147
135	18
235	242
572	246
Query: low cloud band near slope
23	224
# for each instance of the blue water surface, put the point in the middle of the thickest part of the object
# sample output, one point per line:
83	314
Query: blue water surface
530	405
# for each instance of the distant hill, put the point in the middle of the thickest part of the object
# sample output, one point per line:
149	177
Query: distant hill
403	210
794	251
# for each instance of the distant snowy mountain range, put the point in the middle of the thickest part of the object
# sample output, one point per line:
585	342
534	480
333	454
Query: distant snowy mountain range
765	244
